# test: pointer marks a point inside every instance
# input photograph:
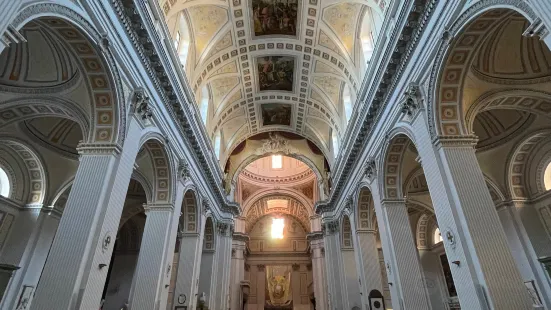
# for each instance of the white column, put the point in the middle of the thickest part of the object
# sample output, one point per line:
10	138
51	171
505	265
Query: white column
36	247
483	268
153	267
318	269
237	270
405	273
260	286
369	267
351	278
333	265
219	300
521	244
189	265
74	275
432	271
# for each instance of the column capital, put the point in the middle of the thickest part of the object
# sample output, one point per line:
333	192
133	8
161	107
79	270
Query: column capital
331	227
98	148
261	267
225	229
455	141
158	207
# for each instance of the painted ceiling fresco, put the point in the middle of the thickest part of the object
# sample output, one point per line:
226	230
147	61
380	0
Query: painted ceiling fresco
265	65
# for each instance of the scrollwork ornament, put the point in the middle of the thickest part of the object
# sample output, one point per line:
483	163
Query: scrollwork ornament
411	103
142	104
370	170
183	170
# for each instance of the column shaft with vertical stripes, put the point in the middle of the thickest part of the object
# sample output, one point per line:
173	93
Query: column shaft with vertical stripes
405	272
72	278
189	265
151	269
237	272
370	267
483	269
318	272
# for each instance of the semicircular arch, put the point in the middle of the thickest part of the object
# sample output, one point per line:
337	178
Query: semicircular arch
95	61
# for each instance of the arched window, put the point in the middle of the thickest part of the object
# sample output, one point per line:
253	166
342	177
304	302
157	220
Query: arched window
4	183
366	36
347	102
547	177
204	104
181	39
335	142
437	236
217	143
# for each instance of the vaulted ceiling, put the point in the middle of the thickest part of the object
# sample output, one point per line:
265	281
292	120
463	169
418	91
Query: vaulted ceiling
267	65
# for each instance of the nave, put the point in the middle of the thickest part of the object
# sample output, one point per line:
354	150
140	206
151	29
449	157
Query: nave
275	154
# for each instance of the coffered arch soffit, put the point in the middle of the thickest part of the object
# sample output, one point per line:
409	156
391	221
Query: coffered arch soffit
26	171
70	59
489	49
234	56
526	165
501	114
288	203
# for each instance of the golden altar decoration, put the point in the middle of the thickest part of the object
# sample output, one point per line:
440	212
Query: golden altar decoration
278	280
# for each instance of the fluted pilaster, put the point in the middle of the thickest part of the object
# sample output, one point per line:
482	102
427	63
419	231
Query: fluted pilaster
237	270
484	271
334	268
404	271
189	265
370	268
151	269
221	278
318	270
74	275
36	249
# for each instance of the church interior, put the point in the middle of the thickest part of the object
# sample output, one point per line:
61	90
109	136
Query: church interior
275	155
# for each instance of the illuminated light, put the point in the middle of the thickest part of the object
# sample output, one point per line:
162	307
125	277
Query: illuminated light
277	162
437	236
277	228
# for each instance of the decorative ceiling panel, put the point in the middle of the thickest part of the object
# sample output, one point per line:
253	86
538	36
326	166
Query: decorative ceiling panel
270	50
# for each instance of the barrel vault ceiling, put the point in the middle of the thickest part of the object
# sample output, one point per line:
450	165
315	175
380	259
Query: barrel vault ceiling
270	65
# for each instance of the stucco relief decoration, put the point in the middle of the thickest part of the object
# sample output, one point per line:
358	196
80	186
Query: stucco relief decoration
411	103
342	19
370	170
183	170
107	239
142	105
275	144
206	21
449	238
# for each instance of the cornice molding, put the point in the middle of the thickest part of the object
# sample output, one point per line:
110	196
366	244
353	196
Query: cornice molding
176	98
416	15
240	237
